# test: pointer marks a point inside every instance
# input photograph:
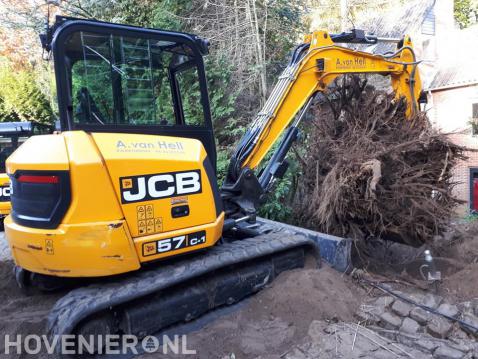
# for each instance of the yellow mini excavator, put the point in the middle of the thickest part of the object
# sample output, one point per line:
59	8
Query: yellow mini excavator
129	186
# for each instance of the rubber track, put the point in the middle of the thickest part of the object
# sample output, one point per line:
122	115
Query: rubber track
83	302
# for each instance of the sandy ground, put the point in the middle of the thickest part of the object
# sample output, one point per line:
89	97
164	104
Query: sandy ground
268	324
278	317
461	244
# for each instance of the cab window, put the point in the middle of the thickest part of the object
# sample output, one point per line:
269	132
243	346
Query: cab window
133	81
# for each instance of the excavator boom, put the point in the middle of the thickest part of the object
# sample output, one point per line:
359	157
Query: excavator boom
314	65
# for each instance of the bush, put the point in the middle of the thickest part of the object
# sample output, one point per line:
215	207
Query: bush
21	98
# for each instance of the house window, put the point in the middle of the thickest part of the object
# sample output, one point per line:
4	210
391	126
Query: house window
474	119
428	25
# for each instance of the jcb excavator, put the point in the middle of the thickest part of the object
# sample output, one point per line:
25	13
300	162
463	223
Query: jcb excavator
129	186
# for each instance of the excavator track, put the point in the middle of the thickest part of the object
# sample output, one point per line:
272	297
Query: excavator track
147	301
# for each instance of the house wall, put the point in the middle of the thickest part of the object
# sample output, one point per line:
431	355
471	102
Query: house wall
432	50
451	111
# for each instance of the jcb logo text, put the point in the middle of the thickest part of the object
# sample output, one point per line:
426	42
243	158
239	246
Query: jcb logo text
162	185
5	193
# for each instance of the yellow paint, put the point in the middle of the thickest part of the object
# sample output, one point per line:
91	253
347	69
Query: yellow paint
5	206
86	250
40	152
158	154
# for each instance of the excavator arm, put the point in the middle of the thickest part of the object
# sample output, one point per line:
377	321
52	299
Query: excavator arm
314	65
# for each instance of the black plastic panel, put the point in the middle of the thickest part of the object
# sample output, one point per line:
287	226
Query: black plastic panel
40	205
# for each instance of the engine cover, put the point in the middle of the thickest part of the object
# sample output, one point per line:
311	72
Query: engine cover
126	199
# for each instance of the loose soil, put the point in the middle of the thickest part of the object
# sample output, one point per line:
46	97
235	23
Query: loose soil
279	316
271	322
460	244
21	313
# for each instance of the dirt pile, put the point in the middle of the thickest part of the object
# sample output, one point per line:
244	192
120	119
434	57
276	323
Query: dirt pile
460	243
370	172
275	319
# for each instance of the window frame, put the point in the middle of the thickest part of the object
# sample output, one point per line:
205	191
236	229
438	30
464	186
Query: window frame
178	95
473	171
474	120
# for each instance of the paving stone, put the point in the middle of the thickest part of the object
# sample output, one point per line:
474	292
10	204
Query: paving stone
420	315
389	334
474	305
415	296
431	300
465	307
472	320
401	308
460	334
474	349
445	352
427	345
411	345
448	309
406	339
384	301
460	344
390	321
5	253
410	326
439	327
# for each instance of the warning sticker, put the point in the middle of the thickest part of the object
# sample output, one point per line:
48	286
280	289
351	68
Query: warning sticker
149	211
158	224
150	226
141	212
49	246
147	223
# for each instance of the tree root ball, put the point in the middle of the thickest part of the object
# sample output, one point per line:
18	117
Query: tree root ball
369	171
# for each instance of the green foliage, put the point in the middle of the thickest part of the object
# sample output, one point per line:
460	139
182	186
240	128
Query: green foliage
471	217
222	164
164	15
277	206
464	11
222	98
21	98
286	26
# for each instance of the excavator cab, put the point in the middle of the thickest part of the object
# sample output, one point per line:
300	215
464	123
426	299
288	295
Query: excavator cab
132	80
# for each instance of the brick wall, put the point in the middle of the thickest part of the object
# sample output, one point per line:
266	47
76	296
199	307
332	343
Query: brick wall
450	111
